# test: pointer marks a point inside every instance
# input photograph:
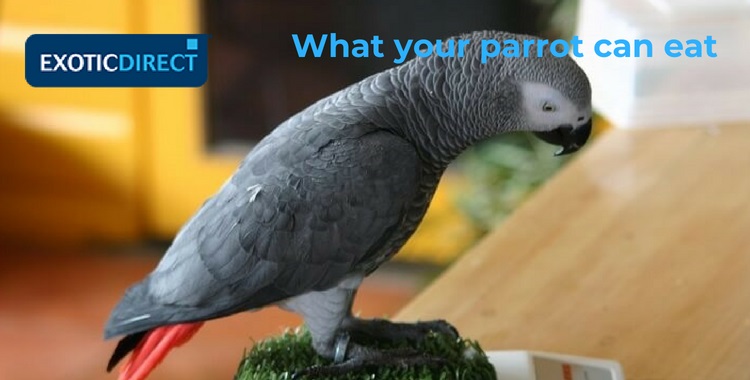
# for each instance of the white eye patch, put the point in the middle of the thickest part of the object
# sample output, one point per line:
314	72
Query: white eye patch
545	107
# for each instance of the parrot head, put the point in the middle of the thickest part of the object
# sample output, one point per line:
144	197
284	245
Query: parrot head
547	95
554	117
555	97
555	101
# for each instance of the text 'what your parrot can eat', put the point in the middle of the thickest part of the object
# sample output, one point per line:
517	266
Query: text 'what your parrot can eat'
331	46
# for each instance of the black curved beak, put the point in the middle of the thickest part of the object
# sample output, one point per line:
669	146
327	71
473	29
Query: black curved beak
569	138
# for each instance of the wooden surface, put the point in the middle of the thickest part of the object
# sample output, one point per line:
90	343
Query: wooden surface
639	251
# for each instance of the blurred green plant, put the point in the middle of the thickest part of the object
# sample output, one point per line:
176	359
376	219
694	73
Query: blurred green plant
501	173
557	18
277	358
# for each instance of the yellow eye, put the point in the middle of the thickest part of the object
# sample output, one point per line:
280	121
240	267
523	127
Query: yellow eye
548	107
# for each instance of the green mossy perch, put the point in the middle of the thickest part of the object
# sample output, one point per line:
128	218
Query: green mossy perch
277	358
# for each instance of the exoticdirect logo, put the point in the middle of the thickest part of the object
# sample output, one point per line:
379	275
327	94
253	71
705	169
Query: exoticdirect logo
117	60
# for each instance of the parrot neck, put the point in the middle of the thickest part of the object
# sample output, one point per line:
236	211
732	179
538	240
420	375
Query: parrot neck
430	105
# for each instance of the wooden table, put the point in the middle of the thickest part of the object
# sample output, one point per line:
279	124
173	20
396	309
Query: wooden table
638	251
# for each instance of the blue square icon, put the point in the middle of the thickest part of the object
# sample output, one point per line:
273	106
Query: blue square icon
192	44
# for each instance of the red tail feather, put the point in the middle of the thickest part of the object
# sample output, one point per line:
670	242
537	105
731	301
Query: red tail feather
154	347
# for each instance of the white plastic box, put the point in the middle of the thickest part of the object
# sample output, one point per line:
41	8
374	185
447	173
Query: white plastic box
660	90
535	365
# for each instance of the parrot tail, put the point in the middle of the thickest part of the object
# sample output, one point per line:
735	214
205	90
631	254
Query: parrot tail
152	347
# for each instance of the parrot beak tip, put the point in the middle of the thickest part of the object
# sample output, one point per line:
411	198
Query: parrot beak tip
569	138
567	150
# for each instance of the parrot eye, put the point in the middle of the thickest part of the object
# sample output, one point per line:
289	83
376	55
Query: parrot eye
548	107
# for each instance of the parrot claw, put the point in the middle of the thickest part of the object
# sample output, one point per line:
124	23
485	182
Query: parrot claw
362	358
442	326
381	329
351	357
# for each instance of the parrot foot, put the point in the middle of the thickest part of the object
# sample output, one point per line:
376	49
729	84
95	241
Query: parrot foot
360	358
384	330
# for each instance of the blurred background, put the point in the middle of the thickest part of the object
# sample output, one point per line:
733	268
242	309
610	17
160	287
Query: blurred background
94	183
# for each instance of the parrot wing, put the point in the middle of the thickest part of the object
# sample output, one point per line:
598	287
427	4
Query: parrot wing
294	218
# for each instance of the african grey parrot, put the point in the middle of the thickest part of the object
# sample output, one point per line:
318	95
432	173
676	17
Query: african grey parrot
334	192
